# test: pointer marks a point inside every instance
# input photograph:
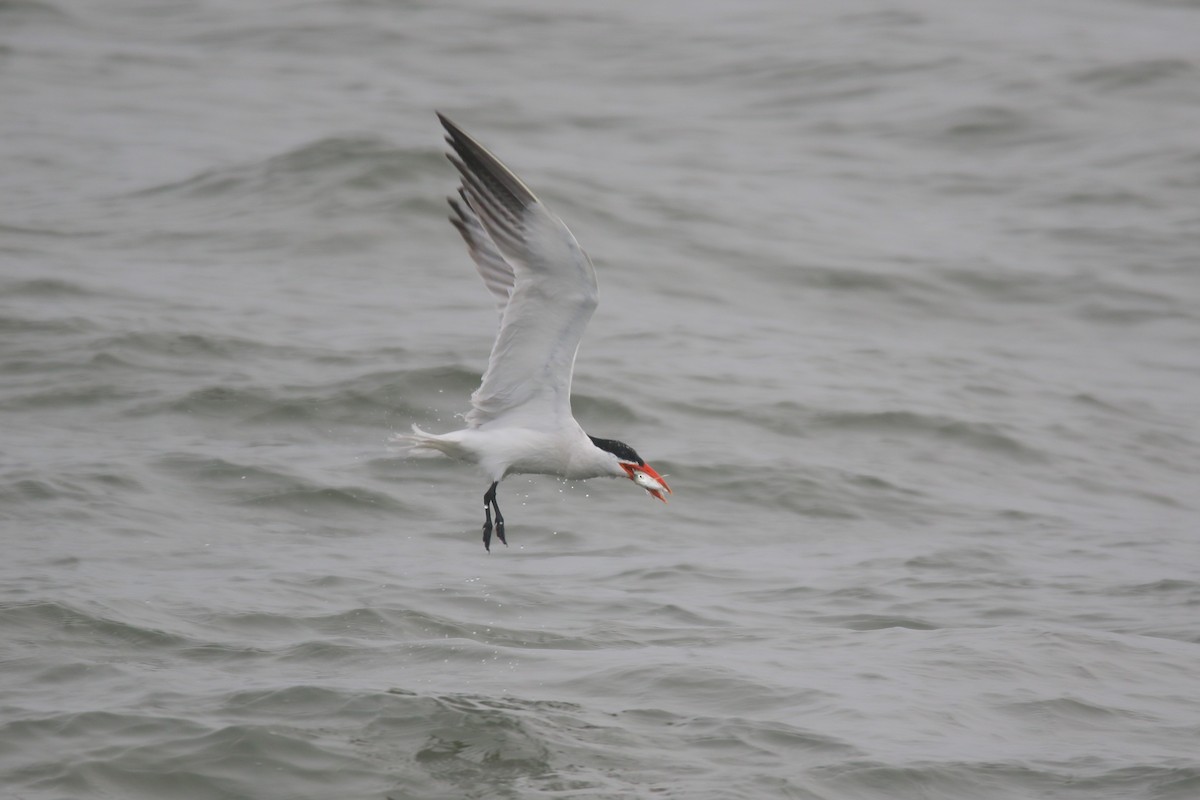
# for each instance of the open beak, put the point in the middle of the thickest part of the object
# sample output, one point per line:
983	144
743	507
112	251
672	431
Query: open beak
645	477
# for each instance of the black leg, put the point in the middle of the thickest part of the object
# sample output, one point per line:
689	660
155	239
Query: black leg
489	503
499	521
487	527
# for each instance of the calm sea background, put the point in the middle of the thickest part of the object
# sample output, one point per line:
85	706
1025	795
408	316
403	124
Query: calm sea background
903	296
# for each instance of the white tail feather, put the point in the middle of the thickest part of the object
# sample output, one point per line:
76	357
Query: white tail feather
422	444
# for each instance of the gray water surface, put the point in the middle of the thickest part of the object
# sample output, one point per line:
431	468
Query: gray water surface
902	297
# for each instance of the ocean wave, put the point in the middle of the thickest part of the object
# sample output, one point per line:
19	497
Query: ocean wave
978	435
47	288
15	325
315	741
23	12
88	628
82	486
379	400
790	418
325	169
188	345
875	622
258	486
78	394
1140	74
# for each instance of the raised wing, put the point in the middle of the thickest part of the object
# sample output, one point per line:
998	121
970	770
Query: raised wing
543	281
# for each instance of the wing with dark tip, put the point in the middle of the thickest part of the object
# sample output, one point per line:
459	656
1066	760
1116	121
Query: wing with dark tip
544	281
496	272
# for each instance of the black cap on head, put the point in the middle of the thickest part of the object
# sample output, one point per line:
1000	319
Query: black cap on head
618	449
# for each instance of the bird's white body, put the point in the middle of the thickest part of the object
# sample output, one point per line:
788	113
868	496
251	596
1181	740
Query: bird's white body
545	290
508	450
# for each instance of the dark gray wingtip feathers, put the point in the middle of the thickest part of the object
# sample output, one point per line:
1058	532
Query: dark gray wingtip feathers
484	170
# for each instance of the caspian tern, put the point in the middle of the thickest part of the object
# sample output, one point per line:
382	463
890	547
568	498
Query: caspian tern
545	290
